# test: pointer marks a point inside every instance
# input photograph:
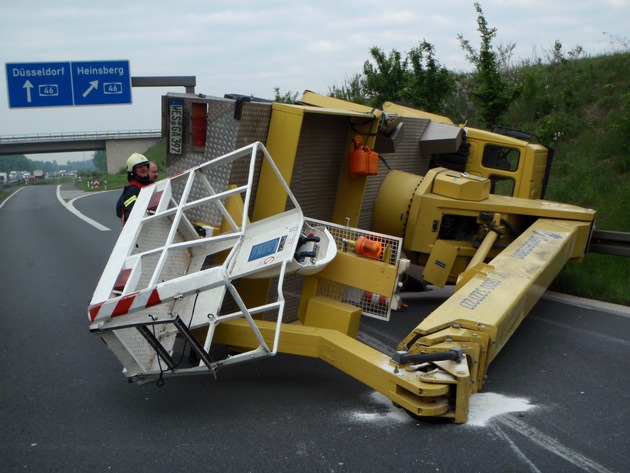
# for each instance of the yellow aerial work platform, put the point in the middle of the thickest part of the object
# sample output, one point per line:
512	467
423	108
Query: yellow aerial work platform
277	246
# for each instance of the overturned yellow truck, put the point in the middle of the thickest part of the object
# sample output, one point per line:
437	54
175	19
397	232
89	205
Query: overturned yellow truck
281	225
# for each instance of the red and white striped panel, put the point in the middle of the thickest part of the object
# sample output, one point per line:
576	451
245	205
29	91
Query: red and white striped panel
123	305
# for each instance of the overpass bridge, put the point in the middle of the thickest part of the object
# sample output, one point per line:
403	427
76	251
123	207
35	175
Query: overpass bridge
117	144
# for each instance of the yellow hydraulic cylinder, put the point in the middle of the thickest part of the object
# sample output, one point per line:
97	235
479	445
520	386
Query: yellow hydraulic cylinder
482	251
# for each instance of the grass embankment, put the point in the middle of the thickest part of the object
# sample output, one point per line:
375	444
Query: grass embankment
582	108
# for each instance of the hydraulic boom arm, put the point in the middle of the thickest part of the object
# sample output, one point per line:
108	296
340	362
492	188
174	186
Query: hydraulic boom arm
476	321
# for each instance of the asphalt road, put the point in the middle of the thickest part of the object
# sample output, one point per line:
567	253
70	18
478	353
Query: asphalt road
66	407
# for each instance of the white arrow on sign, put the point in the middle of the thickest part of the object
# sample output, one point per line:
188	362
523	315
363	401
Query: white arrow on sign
28	86
93	85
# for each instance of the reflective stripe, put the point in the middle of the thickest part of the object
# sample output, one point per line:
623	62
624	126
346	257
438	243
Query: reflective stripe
130	200
123	305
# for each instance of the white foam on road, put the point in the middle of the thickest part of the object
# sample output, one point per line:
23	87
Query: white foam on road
482	408
384	411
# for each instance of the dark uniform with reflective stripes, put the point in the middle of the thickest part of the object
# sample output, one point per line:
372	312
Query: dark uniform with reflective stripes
127	199
137	178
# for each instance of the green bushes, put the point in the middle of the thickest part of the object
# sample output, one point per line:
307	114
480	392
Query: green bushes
582	108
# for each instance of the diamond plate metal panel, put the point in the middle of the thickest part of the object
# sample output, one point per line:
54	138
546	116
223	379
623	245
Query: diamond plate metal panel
407	157
224	134
321	149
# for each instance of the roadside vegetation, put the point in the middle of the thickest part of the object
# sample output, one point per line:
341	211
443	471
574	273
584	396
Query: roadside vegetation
582	108
156	153
577	104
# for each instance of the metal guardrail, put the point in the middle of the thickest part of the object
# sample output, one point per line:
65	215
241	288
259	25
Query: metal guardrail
610	243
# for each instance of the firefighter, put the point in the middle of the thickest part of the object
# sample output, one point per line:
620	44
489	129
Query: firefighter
137	177
153	171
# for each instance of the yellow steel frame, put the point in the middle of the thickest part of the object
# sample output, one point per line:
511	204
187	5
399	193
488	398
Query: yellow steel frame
371	367
425	208
478	319
471	327
283	138
396	109
499	295
490	302
282	143
491	299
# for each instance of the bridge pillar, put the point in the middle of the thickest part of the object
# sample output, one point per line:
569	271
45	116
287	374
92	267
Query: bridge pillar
119	150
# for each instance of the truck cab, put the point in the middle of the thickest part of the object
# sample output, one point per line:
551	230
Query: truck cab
516	167
513	160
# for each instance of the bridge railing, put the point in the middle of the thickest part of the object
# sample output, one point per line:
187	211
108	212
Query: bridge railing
81	136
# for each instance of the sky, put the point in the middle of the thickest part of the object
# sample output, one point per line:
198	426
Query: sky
251	47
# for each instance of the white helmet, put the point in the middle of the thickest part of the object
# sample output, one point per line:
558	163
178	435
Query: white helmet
136	159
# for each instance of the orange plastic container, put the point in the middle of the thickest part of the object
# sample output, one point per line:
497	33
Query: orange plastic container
363	161
369	248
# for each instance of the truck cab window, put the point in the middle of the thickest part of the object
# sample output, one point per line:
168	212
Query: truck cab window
499	157
502	185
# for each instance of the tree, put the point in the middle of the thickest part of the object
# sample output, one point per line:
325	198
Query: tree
100	160
16	163
417	79
387	79
287	97
352	90
430	83
493	94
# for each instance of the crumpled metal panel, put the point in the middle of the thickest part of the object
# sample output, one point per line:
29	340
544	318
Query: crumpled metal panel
440	138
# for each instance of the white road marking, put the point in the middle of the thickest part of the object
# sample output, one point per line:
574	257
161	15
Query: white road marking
552	445
69	205
519	453
7	199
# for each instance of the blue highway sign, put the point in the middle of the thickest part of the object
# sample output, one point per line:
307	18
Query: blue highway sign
97	83
58	84
39	85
